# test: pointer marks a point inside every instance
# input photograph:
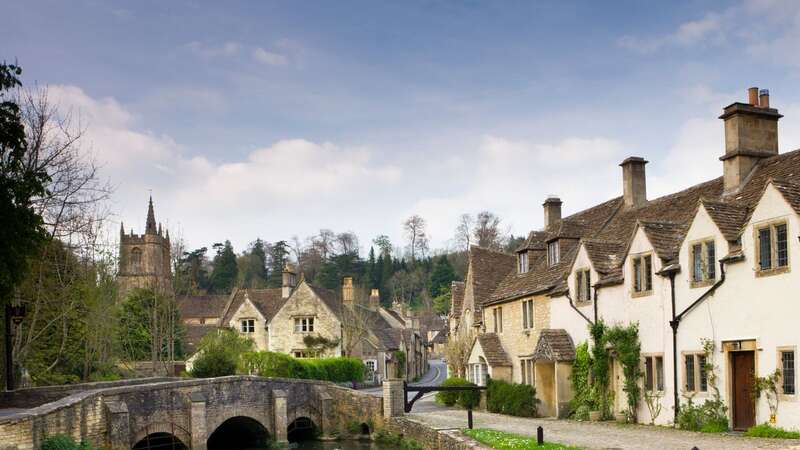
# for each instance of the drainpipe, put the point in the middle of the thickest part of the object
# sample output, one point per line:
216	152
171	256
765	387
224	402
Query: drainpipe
579	311
676	321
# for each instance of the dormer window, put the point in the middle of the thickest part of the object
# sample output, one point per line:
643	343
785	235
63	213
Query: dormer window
703	263
773	248
522	262
642	267
553	253
583	285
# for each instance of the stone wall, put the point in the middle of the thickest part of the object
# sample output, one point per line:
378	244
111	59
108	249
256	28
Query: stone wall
32	397
118	416
303	303
432	438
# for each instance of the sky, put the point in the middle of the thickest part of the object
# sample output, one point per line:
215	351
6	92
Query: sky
270	120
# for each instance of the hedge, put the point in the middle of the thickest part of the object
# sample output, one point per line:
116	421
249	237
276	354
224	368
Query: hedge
279	365
511	398
462	398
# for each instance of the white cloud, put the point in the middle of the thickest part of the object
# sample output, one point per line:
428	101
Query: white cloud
268	57
708	30
207	50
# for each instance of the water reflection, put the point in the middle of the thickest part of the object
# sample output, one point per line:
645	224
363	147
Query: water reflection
342	445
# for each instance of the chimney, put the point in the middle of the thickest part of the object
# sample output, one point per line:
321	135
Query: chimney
634	182
552	211
347	290
751	133
289	280
374	299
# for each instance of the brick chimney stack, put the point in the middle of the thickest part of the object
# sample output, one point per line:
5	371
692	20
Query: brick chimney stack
634	182
552	211
348	296
374	299
751	134
288	280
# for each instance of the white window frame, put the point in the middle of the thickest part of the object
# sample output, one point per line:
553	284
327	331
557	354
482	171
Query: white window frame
527	371
304	324
553	253
247	326
644	274
522	262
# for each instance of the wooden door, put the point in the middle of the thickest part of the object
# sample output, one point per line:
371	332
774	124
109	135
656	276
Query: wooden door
743	405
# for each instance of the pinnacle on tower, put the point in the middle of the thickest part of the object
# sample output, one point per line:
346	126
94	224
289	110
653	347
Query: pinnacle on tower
121	229
151	219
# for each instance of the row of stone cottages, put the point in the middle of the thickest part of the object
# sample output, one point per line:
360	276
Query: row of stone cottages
711	262
282	319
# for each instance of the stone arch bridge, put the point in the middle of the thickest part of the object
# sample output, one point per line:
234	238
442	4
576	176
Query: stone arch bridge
132	413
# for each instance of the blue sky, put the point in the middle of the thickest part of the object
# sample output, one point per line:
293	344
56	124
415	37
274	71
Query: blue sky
274	119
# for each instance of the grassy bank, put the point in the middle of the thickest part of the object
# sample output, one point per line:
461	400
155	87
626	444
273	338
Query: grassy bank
507	441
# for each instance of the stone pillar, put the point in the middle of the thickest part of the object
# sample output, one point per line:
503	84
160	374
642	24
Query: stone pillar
119	425
326	412
393	402
281	420
198	421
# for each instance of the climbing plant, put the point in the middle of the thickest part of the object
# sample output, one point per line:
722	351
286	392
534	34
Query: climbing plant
768	386
625	342
600	362
582	402
400	368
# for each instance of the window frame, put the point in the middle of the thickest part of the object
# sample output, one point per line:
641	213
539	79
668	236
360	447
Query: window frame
497	312
642	274
306	324
553	253
657	377
247	325
527	314
583	285
708	269
771	228
522	262
699	373
527	371
779	363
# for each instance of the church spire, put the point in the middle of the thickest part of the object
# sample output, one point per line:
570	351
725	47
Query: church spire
151	219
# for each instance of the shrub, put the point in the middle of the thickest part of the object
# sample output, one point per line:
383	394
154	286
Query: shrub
279	365
511	398
220	354
63	442
462	398
583	401
768	431
709	417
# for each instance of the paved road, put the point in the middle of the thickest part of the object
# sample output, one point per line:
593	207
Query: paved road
437	373
601	435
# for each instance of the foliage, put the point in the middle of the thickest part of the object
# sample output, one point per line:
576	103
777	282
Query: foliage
441	276
511	398
457	350
279	365
400	363
220	354
583	401
768	431
704	417
144	320
462	398
441	304
252	267
224	275
507	441
600	362
653	401
626	344
768	386
22	231
395	441
63	442
191	276
319	344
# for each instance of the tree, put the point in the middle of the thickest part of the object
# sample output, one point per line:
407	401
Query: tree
278	257
414	229
441	276
441	303
149	328
457	350
359	321
22	232
223	277
463	235
191	275
252	266
371	278
384	244
346	243
220	353
487	232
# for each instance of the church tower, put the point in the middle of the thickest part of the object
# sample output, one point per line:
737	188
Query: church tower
144	259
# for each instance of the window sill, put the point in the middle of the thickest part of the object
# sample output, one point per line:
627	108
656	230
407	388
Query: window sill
787	398
583	302
699	284
635	294
771	272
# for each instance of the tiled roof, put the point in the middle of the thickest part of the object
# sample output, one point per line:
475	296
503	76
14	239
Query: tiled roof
267	301
201	306
728	217
492	350
790	191
554	345
456	297
536	241
540	277
606	256
330	299
665	237
387	338
488	270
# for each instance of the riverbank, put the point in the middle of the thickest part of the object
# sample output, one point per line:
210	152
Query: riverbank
432	437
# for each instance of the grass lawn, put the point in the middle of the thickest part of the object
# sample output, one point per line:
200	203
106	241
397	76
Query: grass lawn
507	441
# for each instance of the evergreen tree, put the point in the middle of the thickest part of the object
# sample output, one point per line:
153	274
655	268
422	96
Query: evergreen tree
278	257
441	276
225	270
386	274
253	266
372	275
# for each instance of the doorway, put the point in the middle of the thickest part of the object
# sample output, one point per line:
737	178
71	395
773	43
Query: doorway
743	371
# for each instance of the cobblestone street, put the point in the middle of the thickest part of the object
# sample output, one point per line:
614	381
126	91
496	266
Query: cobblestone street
603	435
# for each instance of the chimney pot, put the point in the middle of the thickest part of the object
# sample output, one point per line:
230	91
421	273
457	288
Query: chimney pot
752	96
763	98
634	182
552	211
347	290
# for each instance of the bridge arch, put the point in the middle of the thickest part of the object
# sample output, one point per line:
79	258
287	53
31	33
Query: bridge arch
162	435
301	429
237	433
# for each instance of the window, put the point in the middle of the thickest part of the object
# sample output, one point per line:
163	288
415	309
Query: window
704	255
498	320
305	354
787	372
527	314
522	262
303	324
583	285
136	259
654	373
248	325
552	253
642	273
526	367
773	247
695	373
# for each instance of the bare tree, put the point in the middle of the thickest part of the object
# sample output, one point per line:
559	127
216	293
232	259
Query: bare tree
487	231
359	322
463	235
414	229
457	350
324	242
346	243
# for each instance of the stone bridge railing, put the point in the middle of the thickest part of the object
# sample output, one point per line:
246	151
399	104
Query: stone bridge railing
119	416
